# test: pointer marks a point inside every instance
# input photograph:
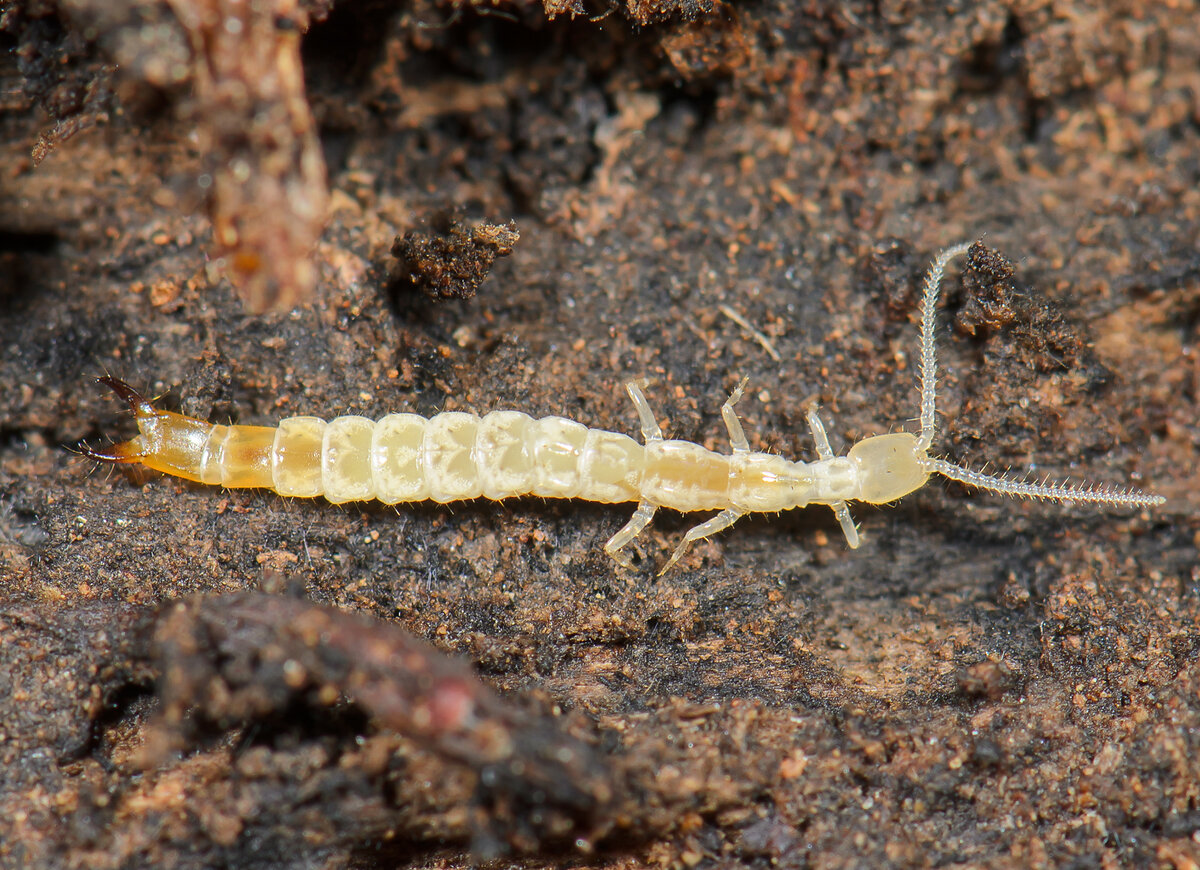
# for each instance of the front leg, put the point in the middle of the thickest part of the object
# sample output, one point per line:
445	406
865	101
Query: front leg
842	511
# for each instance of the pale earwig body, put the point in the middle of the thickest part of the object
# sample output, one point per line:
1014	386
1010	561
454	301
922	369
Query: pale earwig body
456	456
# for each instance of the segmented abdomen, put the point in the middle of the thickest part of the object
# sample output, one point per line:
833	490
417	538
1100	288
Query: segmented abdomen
448	457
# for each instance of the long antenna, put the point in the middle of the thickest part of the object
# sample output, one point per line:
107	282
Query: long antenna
933	281
1097	494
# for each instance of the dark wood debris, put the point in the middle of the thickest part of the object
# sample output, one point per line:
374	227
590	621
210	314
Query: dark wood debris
453	264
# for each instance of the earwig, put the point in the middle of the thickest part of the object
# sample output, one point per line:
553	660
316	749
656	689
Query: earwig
454	456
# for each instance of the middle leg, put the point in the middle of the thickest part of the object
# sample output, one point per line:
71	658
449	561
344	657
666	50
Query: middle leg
640	519
723	520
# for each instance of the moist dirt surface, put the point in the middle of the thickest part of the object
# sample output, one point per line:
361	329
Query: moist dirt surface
272	208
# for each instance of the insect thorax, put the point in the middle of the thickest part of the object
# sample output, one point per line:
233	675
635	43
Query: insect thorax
763	482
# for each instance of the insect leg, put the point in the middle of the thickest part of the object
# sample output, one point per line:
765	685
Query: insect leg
640	519
723	520
645	510
818	433
824	451
847	521
650	430
737	438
